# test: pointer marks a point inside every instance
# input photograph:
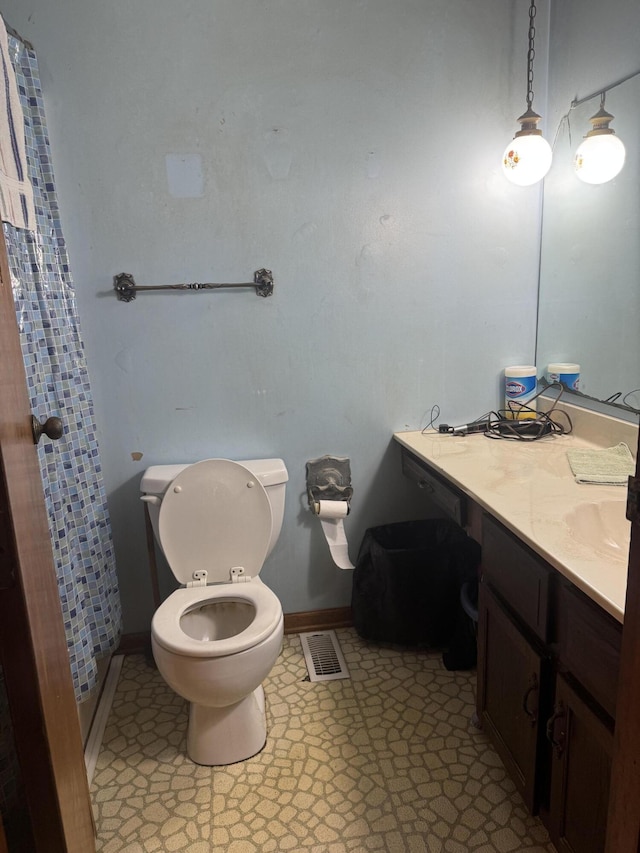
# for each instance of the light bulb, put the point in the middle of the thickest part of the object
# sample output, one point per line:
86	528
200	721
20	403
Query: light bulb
599	158
527	159
601	155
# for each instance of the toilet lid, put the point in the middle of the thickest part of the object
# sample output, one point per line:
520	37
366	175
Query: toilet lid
214	516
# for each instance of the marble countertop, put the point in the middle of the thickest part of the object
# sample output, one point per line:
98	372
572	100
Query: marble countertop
529	487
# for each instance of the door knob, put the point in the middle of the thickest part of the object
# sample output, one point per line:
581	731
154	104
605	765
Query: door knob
52	428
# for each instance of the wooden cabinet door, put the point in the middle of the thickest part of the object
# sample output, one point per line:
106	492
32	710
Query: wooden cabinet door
580	774
511	674
624	813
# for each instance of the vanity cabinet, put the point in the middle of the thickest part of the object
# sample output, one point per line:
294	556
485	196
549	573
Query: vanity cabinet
580	773
548	653
588	643
520	578
512	676
548	660
439	491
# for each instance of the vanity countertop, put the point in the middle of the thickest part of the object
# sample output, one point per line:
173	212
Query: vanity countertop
529	487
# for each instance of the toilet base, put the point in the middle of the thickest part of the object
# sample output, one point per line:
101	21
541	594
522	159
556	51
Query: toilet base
227	735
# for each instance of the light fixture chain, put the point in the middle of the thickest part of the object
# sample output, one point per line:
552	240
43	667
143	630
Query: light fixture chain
531	54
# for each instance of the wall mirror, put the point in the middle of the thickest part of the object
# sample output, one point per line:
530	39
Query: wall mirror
589	296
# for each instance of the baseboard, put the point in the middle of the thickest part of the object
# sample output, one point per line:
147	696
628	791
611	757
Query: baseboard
294	623
94	741
135	644
318	620
87	708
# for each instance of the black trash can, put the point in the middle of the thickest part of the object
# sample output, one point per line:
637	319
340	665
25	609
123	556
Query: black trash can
407	583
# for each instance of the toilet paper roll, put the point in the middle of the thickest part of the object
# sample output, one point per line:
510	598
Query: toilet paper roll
331	514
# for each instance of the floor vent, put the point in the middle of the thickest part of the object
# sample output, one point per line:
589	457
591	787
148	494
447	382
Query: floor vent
323	656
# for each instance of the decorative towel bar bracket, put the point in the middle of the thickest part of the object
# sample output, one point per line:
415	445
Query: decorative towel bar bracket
126	288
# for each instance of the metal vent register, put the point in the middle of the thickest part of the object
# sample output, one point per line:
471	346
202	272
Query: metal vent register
323	656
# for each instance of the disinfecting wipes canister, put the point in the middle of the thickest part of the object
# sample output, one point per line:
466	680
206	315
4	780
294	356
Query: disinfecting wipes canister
565	372
520	384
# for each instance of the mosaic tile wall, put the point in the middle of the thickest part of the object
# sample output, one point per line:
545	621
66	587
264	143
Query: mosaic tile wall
58	385
386	761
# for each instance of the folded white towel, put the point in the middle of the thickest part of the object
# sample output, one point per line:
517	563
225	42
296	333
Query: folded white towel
609	467
16	192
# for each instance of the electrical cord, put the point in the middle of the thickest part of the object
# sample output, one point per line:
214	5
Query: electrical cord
519	421
509	423
435	413
527	429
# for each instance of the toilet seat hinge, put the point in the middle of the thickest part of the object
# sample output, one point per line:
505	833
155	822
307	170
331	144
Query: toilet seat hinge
238	576
199	579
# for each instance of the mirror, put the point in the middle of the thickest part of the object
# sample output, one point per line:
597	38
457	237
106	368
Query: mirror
589	295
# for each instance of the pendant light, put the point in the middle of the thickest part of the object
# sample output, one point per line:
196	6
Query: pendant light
527	159
601	156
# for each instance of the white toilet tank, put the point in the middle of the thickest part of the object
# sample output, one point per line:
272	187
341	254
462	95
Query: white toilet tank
272	473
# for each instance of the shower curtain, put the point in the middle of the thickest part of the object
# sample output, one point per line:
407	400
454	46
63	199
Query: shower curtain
56	370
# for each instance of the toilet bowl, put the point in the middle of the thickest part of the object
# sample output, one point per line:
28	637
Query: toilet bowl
217	638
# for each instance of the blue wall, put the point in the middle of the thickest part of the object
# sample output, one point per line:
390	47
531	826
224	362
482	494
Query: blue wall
353	148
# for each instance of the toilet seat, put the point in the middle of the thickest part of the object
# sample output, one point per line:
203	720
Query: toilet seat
167	630
215	516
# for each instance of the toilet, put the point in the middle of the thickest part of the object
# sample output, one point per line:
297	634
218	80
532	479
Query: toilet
217	637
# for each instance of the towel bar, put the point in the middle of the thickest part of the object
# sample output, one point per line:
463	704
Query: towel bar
126	288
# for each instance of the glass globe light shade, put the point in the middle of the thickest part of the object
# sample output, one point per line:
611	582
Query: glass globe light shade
599	158
527	159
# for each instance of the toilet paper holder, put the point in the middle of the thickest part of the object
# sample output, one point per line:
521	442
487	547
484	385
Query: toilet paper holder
328	479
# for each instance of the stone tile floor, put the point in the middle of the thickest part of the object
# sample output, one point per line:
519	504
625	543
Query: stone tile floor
386	761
